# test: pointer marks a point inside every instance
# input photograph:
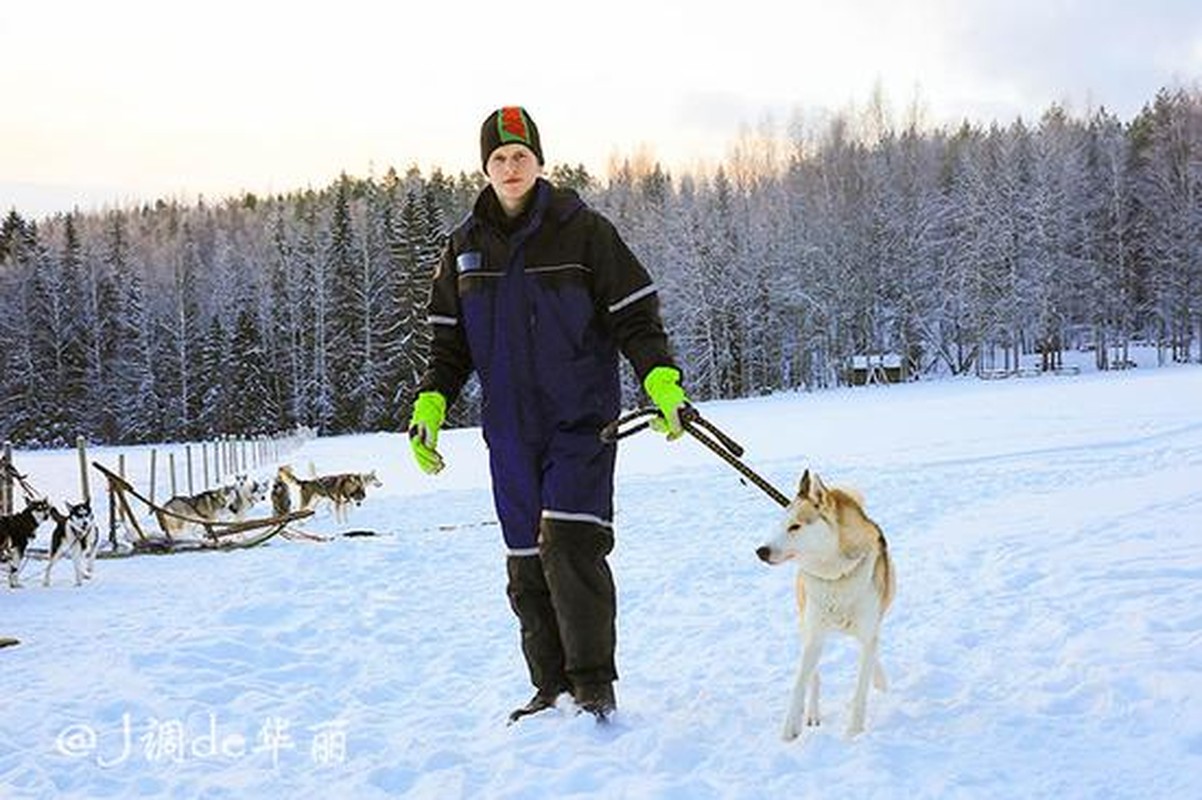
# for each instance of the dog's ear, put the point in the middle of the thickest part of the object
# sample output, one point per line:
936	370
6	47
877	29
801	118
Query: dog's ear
811	487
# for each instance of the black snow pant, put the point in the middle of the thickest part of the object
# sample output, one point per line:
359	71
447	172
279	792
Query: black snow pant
565	602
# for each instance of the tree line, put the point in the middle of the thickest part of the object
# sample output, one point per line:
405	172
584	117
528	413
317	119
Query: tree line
953	250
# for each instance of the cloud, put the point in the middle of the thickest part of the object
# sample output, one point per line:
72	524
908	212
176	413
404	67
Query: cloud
1030	53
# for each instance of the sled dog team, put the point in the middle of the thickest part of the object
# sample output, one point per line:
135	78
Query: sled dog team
76	532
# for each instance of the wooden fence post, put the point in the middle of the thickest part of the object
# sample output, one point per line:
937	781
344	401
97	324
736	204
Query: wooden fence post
171	472
85	491
6	481
114	513
188	456
153	471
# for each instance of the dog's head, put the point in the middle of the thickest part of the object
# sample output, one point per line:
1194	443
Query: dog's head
79	516
358	483
79	511
809	530
355	489
226	498
245	493
39	509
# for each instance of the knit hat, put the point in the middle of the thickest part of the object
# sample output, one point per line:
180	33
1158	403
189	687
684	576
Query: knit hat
509	125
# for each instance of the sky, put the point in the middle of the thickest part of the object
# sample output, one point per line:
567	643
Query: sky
116	103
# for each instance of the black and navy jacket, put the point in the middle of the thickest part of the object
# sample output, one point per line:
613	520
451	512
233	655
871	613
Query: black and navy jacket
540	307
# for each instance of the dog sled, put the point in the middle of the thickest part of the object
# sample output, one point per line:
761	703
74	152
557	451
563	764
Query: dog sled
218	534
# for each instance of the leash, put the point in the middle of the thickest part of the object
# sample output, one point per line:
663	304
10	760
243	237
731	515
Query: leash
11	472
700	429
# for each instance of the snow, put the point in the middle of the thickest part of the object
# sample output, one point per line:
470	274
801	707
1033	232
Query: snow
1046	640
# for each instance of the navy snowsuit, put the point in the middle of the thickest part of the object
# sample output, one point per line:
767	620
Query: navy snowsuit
540	306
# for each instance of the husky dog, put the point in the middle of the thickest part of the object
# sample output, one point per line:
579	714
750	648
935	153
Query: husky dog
76	532
208	506
281	498
845	583
341	490
16	532
246	493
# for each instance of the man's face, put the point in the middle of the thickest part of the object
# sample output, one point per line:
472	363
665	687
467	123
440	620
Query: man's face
512	170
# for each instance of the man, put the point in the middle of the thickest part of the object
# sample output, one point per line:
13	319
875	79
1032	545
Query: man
537	293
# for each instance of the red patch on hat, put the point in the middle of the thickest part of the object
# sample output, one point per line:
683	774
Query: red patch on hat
514	123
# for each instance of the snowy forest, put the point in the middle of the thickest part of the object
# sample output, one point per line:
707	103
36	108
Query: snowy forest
948	250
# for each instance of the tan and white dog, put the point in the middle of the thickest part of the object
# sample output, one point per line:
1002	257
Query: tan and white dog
340	490
845	583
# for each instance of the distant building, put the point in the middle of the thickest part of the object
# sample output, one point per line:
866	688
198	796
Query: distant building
877	368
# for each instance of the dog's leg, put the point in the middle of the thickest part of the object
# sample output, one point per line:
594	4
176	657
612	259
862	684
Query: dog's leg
805	676
77	560
93	545
868	665
878	676
813	715
54	554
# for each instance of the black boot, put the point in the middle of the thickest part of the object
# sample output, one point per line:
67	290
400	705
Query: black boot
582	592
541	701
530	600
597	699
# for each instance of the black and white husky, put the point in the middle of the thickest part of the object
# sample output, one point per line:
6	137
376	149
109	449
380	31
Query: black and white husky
74	532
16	532
247	492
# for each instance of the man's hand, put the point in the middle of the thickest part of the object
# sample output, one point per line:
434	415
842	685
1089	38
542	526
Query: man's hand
663	387
429	412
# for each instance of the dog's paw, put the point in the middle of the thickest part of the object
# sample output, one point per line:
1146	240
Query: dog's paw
792	729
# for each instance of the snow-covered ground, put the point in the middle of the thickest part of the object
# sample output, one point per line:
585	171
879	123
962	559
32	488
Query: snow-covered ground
1046	640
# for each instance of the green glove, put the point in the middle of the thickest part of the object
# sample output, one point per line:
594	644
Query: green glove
429	412
663	387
